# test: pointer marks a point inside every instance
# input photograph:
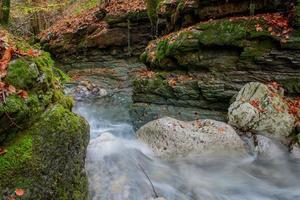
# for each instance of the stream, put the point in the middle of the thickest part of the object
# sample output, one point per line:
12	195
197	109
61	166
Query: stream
119	167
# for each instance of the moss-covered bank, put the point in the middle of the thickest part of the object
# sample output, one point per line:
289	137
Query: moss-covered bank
45	142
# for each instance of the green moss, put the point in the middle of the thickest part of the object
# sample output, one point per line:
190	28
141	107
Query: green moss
15	164
60	139
45	64
62	76
45	144
157	85
238	33
162	49
48	159
152	6
256	49
86	5
21	74
65	101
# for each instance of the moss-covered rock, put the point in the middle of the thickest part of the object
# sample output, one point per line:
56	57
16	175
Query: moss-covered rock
47	160
36	76
45	142
240	35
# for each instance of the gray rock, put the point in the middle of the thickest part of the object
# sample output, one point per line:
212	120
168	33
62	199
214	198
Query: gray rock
169	137
296	151
269	149
259	108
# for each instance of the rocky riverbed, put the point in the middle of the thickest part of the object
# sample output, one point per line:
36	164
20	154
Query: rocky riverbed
119	165
210	110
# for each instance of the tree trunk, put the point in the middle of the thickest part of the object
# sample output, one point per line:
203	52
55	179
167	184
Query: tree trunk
5	8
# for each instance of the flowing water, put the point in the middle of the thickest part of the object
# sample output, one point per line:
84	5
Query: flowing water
119	167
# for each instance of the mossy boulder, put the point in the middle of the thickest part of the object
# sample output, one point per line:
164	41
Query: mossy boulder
45	142
36	76
47	160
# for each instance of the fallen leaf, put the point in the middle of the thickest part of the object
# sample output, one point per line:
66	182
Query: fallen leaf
11	198
19	192
11	89
258	28
221	130
2	85
270	29
23	94
2	151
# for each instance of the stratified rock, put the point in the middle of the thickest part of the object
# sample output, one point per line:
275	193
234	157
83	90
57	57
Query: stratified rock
121	29
205	65
181	13
261	108
169	137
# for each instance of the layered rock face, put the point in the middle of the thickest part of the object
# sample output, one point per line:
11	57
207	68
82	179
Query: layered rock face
43	144
182	13
120	29
194	72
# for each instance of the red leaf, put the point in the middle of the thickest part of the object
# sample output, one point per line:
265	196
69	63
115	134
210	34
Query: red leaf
6	58
2	151
19	192
23	94
11	89
2	85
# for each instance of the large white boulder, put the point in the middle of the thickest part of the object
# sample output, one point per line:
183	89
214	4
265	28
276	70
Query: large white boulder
259	108
170	138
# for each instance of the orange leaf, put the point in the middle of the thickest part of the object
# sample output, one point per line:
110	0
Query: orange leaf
19	192
23	94
6	58
221	130
270	29
11	198
11	89
258	28
2	151
2	85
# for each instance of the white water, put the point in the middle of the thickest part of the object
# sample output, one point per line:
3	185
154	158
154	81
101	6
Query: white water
115	166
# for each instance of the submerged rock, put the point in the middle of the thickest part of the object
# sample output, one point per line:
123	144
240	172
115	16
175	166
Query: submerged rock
118	169
169	137
269	149
261	108
85	90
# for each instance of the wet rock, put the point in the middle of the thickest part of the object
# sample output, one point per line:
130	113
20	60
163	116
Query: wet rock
170	138
269	149
86	89
261	108
298	128
114	166
142	113
296	151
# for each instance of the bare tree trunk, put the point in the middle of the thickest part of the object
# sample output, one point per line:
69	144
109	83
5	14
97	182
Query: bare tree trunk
5	9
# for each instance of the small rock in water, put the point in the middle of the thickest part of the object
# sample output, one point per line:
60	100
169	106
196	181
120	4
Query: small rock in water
86	89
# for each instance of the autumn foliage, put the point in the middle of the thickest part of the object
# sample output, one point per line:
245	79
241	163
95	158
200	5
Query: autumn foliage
8	52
